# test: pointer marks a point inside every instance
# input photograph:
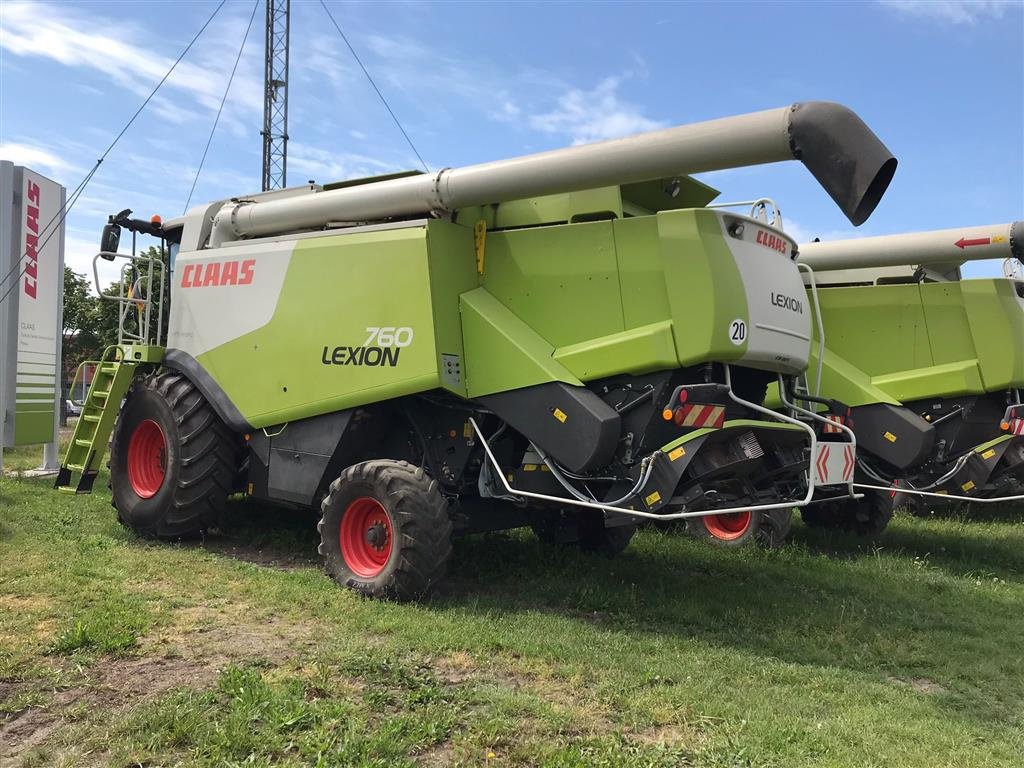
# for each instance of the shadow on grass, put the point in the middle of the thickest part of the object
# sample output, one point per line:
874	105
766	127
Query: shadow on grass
265	534
958	552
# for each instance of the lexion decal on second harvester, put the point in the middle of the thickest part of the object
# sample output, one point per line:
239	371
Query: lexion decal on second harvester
381	348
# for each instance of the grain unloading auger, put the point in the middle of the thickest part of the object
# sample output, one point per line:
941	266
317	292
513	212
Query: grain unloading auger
926	367
568	340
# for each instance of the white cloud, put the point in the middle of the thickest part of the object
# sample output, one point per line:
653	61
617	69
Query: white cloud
594	115
323	166
36	158
952	11
66	35
804	234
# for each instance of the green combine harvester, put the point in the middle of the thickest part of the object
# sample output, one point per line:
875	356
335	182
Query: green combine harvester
926	368
571	340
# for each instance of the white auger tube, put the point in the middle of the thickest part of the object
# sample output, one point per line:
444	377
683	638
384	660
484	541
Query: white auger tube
835	145
915	249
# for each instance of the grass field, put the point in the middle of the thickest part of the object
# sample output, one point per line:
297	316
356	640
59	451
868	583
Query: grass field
238	651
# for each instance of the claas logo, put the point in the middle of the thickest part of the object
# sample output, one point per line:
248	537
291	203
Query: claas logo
32	240
217	273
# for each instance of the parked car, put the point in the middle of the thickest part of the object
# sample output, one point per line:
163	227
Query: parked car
72	408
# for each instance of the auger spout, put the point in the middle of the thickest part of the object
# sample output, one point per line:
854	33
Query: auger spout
836	146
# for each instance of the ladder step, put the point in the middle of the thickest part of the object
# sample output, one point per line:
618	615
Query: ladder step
83	443
102	393
111	369
90	418
76	467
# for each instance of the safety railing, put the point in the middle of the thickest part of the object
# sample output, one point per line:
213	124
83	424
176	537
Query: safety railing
807	499
140	297
763	209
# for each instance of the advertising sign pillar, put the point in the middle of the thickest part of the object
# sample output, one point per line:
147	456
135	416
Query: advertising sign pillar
31	315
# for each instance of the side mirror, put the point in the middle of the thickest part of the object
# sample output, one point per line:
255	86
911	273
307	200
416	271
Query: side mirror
110	241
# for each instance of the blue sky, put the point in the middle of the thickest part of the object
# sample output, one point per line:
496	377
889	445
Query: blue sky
940	82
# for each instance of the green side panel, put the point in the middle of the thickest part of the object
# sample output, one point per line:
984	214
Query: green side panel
704	288
503	352
601	202
669	194
640	198
995	313
992	443
949	335
452	272
732	424
335	289
33	422
638	350
641	272
950	380
879	329
840	380
912	342
562	280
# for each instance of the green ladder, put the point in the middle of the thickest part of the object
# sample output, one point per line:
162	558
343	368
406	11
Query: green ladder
110	382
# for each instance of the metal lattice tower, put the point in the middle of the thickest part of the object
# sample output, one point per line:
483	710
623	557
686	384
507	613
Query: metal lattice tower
275	96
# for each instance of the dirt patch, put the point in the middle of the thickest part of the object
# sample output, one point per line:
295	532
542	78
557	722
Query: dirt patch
172	659
920	685
226	632
109	684
8	689
666	735
438	756
19	603
25	732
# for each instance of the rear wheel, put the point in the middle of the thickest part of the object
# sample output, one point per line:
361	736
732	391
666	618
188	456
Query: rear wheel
385	530
584	529
865	517
738	529
172	460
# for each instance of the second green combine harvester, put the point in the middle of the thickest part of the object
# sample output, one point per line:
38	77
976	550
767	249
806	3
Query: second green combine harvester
569	340
926	368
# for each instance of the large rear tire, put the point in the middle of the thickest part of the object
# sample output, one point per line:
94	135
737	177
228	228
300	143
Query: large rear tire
585	529
385	530
172	460
866	517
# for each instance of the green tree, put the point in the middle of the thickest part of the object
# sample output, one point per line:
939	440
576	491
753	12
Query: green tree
82	322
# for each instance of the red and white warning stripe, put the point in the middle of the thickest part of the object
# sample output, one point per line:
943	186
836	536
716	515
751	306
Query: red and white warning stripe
700	415
835	463
1017	427
833	424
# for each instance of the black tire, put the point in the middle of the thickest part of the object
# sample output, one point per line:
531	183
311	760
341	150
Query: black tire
866	517
410	514
775	528
767	529
587	530
199	459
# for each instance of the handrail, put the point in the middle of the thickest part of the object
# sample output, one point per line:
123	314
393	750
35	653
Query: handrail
808	497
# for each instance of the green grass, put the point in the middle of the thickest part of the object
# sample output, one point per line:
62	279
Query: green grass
238	651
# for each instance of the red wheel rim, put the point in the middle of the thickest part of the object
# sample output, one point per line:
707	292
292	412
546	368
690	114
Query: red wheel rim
147	459
728	527
365	537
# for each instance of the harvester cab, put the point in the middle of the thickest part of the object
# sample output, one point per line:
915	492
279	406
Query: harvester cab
929	365
574	340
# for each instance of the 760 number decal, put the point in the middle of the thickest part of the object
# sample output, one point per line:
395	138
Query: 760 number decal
388	336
